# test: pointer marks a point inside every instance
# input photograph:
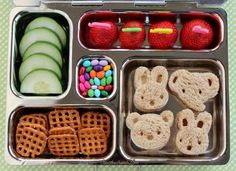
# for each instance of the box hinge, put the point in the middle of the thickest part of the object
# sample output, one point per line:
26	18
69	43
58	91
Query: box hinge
87	3
149	2
27	3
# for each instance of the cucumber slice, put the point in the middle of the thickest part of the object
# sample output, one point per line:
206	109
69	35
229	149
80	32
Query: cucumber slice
50	24
44	48
41	82
38	35
38	61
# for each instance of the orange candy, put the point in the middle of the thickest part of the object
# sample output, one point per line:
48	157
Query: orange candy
101	87
92	74
100	74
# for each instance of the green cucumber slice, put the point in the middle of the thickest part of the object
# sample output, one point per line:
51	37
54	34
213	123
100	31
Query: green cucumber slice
38	35
41	82
44	48
50	24
38	61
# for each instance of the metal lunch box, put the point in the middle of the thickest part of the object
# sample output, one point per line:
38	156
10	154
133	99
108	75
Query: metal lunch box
73	15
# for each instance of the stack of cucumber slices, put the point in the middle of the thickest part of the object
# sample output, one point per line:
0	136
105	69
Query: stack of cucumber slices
41	49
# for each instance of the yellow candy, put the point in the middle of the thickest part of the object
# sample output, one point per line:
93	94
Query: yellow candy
107	67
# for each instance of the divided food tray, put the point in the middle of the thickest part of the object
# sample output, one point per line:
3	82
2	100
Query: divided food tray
120	102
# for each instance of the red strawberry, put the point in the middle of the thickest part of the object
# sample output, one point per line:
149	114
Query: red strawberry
132	35
102	34
196	34
162	35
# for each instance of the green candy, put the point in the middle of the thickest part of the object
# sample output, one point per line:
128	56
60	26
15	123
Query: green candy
109	80
90	93
104	93
88	69
103	81
91	81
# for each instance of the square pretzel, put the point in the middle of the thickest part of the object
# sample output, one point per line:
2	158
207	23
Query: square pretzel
33	120
63	145
62	130
96	120
31	142
64	118
22	125
93	141
42	116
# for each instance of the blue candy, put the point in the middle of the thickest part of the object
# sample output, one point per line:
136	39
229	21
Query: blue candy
86	63
97	81
108	73
97	93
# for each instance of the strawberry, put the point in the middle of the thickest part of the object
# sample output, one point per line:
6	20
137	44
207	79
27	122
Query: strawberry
102	34
132	35
196	34
162	35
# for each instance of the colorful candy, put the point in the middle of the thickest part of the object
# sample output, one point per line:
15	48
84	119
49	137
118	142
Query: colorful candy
93	73
98	68
88	69
108	73
86	76
97	81
95	78
86	63
90	93
94	62
97	93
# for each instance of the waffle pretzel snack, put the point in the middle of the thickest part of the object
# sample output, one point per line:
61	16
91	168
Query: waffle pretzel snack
64	118
62	130
42	116
96	120
63	145
22	125
31	142
33	120
93	141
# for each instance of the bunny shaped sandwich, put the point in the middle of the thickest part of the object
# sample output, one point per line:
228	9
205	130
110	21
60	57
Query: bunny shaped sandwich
150	88
192	136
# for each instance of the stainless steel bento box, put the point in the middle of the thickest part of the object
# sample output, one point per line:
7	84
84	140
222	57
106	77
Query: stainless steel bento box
72	15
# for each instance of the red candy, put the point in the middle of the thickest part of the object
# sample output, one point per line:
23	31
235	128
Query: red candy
84	93
162	40
196	34
108	87
82	70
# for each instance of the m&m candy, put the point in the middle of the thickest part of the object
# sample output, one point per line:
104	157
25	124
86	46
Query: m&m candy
95	78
